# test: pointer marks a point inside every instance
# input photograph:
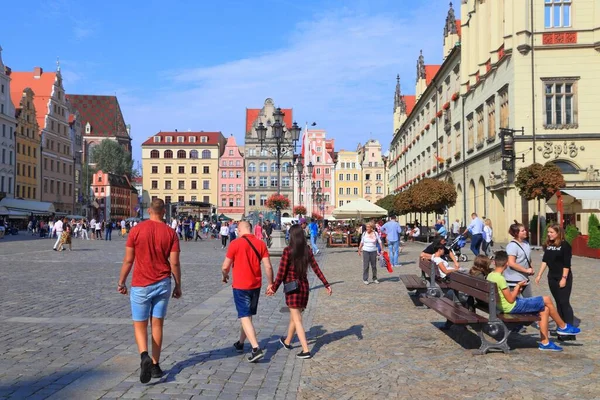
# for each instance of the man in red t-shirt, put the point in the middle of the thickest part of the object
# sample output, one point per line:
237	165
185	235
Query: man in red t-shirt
154	247
245	255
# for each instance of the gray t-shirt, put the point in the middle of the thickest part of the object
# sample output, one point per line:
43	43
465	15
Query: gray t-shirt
522	254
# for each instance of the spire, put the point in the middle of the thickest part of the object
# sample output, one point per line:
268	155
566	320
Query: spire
57	64
450	27
398	94
421	67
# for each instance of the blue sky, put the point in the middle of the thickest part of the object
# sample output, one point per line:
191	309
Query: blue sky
199	64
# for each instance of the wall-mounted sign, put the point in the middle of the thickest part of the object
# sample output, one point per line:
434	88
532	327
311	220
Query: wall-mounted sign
557	149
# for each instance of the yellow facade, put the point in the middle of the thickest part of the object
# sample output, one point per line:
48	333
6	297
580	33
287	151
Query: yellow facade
374	180
348	173
28	148
185	171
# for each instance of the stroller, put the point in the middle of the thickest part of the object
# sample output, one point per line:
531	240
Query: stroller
455	247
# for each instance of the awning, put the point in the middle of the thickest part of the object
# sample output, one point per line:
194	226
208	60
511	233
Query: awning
28	206
576	201
5	212
360	208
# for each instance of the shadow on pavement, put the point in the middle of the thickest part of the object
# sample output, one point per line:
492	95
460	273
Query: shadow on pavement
320	337
321	285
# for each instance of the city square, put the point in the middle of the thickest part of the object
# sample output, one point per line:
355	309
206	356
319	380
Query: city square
66	333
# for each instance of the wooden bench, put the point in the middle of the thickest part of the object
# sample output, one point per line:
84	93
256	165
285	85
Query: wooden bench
429	282
495	324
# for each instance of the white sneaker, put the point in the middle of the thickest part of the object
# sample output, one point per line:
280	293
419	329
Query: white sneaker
366	282
376	281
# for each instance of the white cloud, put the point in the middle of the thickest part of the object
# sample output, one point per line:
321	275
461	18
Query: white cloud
337	69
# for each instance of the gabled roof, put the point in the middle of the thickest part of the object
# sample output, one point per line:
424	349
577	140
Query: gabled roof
42	87
430	72
410	101
252	115
213	138
458	28
103	114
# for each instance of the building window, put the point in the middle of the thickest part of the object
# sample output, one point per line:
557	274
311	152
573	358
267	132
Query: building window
367	190
238	163
231	202
557	13
223	188
355	191
285	182
238	174
223	202
181	199
192	139
379	190
230	152
355	177
181	169
238	202
560	104
167	170
251	167
168	154
181	185
181	154
194	185
378	177
205	185
193	197
348	191
231	187
251	152
262	181
194	170
194	154
223	174
155	169
347	177
341	177
326	184
491	116
231	174
168	185
252	181
180	139
368	177
252	200
154	184
205	154
168	199
480	127
238	188
263	199
504	111
340	203
263	167
169	139
326	171
205	170
203	139
273	167
341	191
470	132
274	181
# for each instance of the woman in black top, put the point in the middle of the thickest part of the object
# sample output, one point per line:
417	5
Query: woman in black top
557	257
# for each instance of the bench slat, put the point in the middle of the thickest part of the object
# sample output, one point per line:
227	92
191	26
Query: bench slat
413	282
511	318
467	289
455	313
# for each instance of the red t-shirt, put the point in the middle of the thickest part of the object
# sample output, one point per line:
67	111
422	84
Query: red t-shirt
246	266
153	243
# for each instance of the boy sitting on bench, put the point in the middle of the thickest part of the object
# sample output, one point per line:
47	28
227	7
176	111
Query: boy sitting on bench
510	303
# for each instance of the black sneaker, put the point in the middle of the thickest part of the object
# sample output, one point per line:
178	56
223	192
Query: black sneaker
146	368
256	355
156	371
239	347
282	341
304	355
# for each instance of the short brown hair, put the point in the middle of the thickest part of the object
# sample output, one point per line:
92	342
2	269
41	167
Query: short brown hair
514	229
481	265
157	205
559	239
501	258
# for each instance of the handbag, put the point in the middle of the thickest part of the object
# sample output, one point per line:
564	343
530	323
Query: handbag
290	287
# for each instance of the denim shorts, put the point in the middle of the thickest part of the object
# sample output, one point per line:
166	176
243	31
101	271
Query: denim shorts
150	300
246	301
528	305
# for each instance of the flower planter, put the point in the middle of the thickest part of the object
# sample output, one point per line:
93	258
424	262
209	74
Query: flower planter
581	249
439	114
427	127
455	96
446	105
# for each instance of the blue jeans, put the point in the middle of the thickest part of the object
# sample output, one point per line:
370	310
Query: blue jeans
107	234
151	300
313	244
476	240
528	305
246	301
394	249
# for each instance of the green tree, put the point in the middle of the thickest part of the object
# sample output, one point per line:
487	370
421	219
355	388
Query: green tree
434	195
571	233
109	156
387	203
537	182
593	232
405	203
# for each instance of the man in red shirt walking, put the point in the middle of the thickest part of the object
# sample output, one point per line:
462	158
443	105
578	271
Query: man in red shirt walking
154	247
245	255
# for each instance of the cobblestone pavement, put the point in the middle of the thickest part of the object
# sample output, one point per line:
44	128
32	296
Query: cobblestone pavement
66	333
375	343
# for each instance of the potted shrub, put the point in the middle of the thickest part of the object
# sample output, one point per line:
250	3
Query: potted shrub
457	155
455	96
585	245
300	210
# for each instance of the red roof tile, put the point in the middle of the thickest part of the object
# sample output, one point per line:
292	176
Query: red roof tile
410	101
430	72
102	112
458	27
214	138
252	115
42	89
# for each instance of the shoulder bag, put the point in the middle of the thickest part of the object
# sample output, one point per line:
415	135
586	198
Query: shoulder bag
526	258
287	287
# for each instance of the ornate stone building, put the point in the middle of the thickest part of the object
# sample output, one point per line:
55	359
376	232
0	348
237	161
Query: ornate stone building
261	165
374	178
57	175
231	181
28	146
7	138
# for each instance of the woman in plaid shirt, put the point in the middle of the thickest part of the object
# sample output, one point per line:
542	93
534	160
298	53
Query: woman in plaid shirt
294	266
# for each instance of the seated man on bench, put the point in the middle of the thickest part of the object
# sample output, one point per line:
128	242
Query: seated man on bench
447	255
510	303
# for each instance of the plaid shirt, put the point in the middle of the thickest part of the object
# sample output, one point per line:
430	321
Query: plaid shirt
287	273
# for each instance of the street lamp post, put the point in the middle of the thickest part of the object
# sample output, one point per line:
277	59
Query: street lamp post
300	178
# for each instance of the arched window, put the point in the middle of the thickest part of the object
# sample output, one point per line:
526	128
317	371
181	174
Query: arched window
263	167
273	167
194	154
251	167
566	167
154	154
205	153
285	166
181	154
168	154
